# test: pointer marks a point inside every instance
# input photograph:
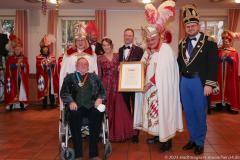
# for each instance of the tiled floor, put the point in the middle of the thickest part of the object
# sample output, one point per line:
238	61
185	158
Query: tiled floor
33	135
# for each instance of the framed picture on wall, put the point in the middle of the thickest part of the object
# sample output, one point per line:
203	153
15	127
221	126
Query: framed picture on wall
138	38
131	77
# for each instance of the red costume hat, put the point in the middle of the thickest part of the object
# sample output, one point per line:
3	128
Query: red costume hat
47	40
15	41
91	28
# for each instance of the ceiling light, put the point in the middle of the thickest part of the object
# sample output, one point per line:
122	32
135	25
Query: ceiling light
237	1
146	1
52	1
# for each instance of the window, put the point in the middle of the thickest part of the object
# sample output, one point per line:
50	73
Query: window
213	27
7	25
67	30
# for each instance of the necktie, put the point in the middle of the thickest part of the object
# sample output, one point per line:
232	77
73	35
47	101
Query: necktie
190	46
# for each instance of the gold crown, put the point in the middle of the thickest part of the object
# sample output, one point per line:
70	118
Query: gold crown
190	14
149	31
80	30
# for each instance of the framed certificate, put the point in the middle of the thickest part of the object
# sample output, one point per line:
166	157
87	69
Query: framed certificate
131	77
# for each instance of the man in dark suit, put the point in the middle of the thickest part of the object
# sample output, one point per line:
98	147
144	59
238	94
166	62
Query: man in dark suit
197	61
95	45
82	92
3	42
3	55
3	51
130	52
93	36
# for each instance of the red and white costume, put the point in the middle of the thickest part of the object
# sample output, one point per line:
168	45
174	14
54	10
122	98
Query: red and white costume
46	74
16	77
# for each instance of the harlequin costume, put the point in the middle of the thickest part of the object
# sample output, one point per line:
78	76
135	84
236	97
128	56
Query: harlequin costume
46	73
16	78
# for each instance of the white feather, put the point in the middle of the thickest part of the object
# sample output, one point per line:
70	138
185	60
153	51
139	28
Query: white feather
166	3
51	38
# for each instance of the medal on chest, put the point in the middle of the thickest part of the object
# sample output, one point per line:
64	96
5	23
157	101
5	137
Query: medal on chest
82	83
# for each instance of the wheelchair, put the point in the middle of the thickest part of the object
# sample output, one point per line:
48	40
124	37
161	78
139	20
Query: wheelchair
67	152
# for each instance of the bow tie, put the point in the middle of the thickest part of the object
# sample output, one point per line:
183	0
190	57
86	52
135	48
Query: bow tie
128	47
193	39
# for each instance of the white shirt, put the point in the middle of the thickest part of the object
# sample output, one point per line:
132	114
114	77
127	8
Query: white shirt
126	52
194	43
93	47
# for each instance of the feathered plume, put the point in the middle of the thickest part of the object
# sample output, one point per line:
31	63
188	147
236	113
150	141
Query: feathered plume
151	13
13	42
160	16
91	27
47	40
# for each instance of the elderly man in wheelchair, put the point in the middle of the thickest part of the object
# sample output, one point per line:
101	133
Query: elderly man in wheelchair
82	92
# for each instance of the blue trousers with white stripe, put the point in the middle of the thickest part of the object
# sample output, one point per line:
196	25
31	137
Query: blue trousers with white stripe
195	108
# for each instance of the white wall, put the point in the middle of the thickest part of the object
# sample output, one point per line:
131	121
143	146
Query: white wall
212	12
76	12
117	21
236	45
37	28
7	12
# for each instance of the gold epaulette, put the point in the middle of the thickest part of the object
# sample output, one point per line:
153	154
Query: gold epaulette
181	41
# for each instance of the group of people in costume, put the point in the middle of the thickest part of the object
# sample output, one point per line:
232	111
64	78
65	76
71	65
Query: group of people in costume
87	75
17	74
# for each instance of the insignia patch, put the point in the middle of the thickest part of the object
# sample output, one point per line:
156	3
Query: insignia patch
8	86
41	83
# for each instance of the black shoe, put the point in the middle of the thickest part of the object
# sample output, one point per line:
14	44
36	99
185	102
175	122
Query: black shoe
44	106
231	111
22	108
218	107
198	150
153	140
189	145
135	139
166	146
52	105
44	102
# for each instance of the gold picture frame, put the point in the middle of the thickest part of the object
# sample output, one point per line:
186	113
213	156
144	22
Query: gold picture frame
131	77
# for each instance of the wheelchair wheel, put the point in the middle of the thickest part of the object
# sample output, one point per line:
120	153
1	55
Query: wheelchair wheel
107	150
67	154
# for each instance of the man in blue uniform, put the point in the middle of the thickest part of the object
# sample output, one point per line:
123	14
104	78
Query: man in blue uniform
197	61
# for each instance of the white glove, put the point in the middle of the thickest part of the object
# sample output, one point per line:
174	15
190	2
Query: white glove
101	107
